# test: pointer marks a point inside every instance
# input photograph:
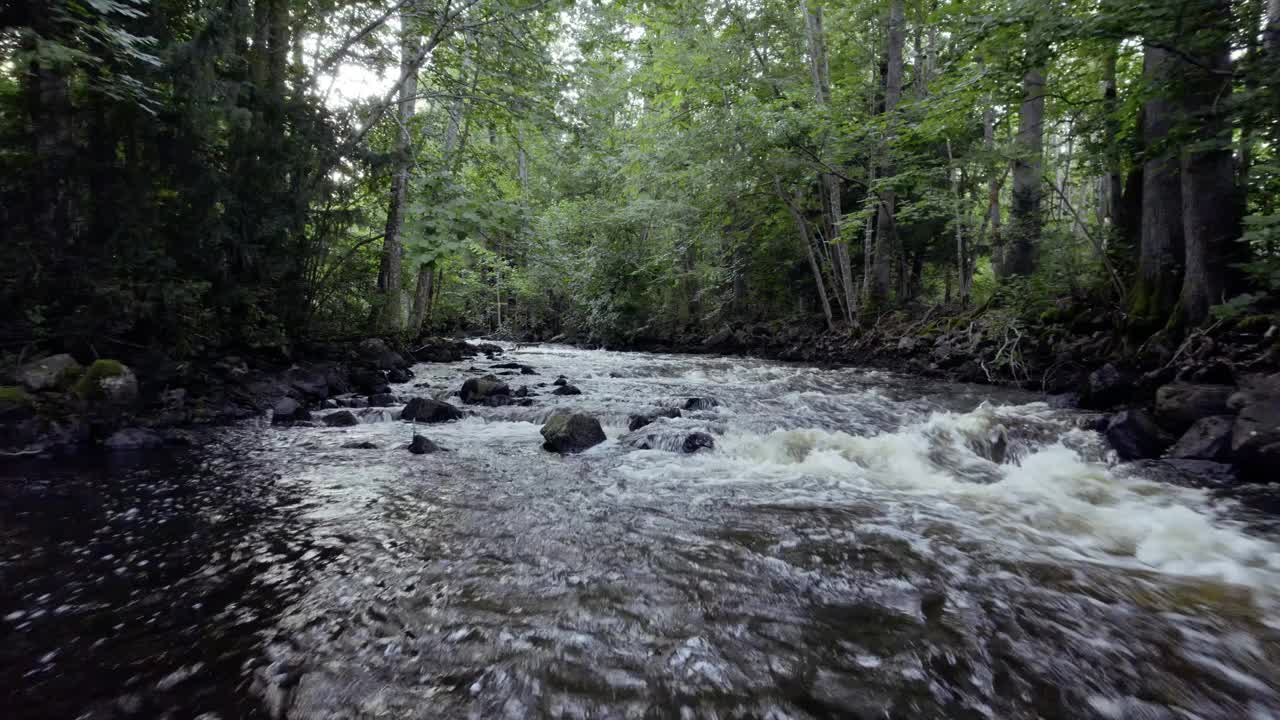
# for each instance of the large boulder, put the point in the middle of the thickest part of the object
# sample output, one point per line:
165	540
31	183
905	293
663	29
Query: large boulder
341	418
1180	404
1255	437
370	381
1136	435
311	384
286	409
376	352
430	411
483	389
48	373
571	433
1255	388
108	386
1207	439
1107	387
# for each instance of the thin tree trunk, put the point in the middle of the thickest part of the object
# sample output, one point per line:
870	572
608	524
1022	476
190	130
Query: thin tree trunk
391	313
962	252
1160	249
1026	218
802	229
821	74
993	183
1112	184
886	232
1210	199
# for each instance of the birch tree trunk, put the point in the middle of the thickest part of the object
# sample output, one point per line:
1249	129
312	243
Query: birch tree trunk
886	233
993	184
820	70
390	317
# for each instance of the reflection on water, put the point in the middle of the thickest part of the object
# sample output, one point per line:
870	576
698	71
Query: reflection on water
858	544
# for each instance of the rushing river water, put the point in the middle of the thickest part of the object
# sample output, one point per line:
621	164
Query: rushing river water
857	545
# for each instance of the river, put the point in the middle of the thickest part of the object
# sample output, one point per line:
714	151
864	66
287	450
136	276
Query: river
858	544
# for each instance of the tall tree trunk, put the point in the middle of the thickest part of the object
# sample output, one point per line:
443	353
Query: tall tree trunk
802	229
390	316
1112	184
1160	248
1025	219
830	182
993	183
1271	37
886	231
1210	199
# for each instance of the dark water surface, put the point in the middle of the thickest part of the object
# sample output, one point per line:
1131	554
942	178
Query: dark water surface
858	545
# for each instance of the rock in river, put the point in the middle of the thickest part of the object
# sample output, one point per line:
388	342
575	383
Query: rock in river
635	422
341	418
423	446
49	372
430	411
482	389
566	390
1134	434
571	433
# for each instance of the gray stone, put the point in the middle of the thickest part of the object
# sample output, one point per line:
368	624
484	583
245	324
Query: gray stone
1207	439
341	418
382	400
635	422
133	439
422	446
478	390
287	409
571	433
1255	437
700	403
566	390
1178	405
430	411
1107	387
46	373
1135	435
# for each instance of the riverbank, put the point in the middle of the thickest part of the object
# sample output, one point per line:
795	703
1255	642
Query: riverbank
1213	395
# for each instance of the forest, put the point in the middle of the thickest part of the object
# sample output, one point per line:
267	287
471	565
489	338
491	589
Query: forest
198	175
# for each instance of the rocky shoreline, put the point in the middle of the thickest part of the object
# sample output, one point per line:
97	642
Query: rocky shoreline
1212	398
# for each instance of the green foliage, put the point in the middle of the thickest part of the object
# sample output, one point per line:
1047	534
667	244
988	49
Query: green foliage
89	387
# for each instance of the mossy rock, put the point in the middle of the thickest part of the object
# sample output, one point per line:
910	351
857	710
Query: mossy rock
107	383
1255	323
15	403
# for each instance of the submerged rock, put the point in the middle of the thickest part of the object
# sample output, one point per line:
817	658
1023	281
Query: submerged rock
133	439
571	433
697	441
635	422
422	446
341	418
700	403
566	390
360	445
562	380
1135	435
479	390
399	375
430	411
